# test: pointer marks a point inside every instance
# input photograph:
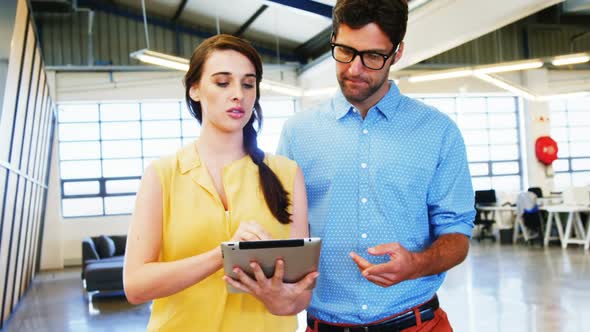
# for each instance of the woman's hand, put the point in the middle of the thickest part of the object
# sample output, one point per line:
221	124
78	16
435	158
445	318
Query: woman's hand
279	298
250	231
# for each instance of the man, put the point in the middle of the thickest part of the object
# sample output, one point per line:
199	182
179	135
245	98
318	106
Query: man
388	184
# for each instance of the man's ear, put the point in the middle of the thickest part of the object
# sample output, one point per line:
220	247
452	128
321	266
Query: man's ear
193	92
400	52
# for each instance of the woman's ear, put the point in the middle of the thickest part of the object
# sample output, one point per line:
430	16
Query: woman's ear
193	92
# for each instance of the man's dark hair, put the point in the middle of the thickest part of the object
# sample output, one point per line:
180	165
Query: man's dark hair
390	15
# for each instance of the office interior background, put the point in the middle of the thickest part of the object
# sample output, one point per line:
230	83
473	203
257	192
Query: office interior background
84	111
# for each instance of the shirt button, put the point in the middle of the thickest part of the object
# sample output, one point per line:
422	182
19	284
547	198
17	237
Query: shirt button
365	307
365	131
364	200
364	165
364	235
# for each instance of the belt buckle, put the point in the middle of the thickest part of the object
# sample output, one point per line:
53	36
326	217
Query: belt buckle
365	328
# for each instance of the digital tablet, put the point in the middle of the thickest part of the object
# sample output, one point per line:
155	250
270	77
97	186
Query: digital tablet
301	256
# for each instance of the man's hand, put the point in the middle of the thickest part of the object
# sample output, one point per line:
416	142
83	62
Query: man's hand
402	265
279	298
446	252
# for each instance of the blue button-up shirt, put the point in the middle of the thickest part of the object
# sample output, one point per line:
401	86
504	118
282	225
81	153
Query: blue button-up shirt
399	175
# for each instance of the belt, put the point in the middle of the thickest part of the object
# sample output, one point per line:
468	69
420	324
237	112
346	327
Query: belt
395	324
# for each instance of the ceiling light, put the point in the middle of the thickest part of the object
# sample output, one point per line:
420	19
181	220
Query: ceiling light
506	67
506	86
570	59
441	75
161	59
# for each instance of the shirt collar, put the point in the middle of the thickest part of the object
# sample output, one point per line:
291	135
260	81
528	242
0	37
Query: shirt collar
188	157
341	106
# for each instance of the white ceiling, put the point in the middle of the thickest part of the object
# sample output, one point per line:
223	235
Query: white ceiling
292	26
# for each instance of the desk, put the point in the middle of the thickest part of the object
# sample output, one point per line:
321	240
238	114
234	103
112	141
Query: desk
500	210
573	221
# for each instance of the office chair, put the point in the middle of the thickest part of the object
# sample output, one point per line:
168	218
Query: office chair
482	218
529	219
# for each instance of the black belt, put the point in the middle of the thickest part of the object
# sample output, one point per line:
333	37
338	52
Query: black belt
395	324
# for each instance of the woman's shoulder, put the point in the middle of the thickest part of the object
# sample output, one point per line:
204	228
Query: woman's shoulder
280	163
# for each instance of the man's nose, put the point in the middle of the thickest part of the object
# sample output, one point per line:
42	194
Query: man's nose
356	65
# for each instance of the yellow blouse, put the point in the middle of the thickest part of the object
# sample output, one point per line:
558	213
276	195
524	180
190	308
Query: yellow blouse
195	221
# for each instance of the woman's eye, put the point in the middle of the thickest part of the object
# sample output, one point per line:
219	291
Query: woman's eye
248	86
222	84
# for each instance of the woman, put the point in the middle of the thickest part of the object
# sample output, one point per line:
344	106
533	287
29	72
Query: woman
220	188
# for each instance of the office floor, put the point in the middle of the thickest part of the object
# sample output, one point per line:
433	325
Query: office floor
498	288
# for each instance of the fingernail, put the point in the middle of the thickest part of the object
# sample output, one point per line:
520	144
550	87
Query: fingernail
236	270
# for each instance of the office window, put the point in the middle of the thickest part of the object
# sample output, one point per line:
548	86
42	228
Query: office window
570	127
490	128
104	148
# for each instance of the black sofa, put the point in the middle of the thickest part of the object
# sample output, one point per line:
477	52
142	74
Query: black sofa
102	263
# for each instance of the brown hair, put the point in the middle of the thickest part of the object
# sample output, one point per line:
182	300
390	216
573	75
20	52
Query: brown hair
274	193
390	15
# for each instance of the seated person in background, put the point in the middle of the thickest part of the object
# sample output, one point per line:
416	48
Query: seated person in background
527	208
220	188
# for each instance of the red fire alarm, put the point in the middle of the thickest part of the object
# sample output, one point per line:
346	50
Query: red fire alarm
546	149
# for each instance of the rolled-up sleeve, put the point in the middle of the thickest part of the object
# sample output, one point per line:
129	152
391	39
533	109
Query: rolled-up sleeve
450	196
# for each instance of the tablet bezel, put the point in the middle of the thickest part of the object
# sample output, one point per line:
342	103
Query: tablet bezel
301	256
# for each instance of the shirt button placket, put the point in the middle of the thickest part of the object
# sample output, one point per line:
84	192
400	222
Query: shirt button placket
363	171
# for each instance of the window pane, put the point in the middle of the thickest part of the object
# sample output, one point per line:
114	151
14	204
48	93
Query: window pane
473	120
559	133
119	204
158	111
119	112
580	118
277	107
557	105
505	120
481	183
122	167
80	169
563	149
273	126
558	119
78	113
504	152
445	105
160	147
578	104
122	186
507	183
121	149
185	113
580	179
268	143
81	188
561	165
581	165
478	169
120	130
190	128
502	104
78	207
505	168
79	150
503	136
469	105
478	153
157	129
475	137
579	149
78	132
580	134
562	181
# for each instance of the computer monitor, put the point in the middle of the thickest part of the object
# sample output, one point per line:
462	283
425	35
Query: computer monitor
485	197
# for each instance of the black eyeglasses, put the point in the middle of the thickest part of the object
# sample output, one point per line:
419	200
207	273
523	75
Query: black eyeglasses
370	59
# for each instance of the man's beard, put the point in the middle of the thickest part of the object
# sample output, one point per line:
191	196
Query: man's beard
359	94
